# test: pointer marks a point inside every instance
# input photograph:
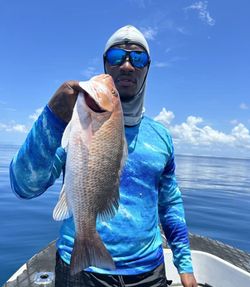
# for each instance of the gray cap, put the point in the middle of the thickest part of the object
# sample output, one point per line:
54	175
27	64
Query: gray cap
127	34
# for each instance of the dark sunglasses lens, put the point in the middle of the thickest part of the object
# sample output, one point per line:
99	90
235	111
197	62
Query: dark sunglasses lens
115	56
139	59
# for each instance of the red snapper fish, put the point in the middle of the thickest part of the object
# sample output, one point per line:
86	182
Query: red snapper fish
96	151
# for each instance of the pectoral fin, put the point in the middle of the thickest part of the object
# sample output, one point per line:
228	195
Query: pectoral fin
124	154
61	210
65	138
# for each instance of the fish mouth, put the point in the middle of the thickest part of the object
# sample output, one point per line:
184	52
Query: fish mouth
92	104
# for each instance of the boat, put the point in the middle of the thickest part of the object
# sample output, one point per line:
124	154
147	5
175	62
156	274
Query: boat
215	265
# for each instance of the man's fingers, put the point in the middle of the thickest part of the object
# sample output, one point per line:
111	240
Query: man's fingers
74	85
64	99
69	86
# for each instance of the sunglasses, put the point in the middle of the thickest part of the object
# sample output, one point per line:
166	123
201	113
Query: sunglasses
117	56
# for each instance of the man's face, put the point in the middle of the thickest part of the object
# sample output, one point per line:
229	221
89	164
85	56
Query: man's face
128	79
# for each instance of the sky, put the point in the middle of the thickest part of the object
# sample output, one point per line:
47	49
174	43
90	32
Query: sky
199	80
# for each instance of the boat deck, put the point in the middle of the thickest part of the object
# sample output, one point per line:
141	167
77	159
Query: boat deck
39	270
226	252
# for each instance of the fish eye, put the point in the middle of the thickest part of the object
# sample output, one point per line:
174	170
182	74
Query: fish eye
114	93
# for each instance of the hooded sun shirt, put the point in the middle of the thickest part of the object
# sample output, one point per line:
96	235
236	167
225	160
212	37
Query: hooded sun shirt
132	110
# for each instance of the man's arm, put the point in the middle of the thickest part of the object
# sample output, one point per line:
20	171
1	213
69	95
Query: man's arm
39	161
172	217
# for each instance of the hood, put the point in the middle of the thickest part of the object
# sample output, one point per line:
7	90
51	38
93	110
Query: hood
132	110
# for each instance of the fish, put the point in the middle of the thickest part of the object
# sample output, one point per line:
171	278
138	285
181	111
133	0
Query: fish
96	149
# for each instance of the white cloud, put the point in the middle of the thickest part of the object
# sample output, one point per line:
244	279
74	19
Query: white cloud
194	133
165	117
36	114
169	63
149	32
244	106
193	121
13	127
3	105
211	136
19	128
89	72
160	64
92	68
242	135
201	7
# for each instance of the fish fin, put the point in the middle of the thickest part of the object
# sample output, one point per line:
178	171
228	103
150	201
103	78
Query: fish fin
87	86
61	210
89	250
65	137
124	154
110	208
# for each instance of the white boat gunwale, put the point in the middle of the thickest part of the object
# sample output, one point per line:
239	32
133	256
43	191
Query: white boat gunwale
236	265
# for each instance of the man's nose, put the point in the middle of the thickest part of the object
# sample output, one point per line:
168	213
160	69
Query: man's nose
126	65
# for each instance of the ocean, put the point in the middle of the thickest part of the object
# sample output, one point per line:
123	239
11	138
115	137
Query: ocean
216	195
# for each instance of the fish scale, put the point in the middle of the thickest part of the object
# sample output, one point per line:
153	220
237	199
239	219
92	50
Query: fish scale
107	167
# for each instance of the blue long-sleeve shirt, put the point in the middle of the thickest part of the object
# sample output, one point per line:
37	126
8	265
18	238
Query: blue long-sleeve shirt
148	192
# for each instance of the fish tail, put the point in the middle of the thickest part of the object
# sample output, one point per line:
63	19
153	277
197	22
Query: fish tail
90	251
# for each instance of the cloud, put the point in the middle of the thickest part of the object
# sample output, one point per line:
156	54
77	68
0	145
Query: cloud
13	127
201	7
182	30
89	72
165	117
157	64
168	63
149	32
195	133
36	114
92	69
3	105
19	128
242	135
244	106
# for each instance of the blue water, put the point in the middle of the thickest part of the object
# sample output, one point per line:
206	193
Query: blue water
216	194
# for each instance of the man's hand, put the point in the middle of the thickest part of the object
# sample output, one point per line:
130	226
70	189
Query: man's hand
188	280
64	99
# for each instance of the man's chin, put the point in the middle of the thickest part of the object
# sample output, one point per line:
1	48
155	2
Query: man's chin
126	97
126	92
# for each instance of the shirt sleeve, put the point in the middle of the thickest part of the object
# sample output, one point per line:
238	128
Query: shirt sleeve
172	217
40	159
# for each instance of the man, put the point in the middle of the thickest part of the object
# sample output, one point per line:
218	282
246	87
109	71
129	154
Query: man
148	185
